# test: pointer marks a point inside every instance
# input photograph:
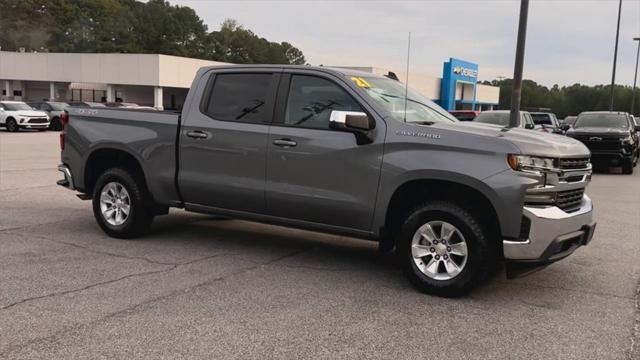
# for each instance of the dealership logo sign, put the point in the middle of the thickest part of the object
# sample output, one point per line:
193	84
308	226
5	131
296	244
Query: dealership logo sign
459	70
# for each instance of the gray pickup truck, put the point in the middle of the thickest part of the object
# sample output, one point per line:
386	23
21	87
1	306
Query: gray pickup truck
344	152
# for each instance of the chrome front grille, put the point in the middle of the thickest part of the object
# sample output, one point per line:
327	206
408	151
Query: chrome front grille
571	164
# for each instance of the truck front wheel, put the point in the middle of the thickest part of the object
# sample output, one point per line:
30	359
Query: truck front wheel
121	204
443	249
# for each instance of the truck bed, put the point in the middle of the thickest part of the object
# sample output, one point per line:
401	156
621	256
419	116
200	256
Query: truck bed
147	134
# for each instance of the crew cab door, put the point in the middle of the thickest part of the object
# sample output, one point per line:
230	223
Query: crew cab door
316	174
223	141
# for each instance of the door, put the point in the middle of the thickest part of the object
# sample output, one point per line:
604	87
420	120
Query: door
223	142
316	174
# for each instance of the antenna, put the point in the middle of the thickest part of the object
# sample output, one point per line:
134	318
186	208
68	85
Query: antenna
406	82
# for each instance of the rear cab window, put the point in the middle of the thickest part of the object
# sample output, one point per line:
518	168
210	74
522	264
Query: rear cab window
242	97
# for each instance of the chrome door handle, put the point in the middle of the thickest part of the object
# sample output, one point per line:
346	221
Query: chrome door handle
285	143
197	134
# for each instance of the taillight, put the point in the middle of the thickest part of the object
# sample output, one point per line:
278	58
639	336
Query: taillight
64	120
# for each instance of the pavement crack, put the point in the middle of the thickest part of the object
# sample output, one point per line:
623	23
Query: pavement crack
87	287
139	306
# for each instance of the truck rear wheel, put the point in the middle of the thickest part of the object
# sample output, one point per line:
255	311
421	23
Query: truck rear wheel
443	249
121	204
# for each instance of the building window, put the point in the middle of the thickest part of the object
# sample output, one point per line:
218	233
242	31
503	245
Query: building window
17	92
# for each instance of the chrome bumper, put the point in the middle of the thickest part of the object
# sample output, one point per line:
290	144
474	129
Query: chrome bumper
553	234
68	179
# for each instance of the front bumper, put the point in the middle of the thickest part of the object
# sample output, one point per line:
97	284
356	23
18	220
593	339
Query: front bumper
553	233
34	126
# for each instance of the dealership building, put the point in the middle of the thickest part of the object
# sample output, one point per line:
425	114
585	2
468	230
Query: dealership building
162	81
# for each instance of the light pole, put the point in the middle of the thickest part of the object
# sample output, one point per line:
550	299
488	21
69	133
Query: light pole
635	77
615	58
516	91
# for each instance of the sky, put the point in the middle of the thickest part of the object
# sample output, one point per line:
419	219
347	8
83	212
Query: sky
568	41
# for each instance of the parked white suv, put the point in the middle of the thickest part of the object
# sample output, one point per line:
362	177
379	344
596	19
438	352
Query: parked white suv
16	115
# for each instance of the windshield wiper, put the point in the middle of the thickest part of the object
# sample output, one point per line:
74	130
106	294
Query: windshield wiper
248	110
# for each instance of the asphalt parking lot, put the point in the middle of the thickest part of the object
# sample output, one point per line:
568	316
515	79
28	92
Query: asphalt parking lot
199	287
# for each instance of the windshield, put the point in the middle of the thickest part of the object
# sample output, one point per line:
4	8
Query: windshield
496	118
391	95
59	106
17	106
602	120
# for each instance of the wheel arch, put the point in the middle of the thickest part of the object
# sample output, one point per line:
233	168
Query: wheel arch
103	158
461	190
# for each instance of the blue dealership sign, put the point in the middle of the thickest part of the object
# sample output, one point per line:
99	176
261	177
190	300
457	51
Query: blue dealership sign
455	71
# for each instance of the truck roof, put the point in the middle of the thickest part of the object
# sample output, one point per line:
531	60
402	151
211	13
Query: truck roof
326	69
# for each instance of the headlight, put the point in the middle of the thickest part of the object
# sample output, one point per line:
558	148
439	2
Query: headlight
627	140
525	162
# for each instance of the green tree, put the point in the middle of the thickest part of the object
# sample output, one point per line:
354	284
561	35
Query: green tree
130	26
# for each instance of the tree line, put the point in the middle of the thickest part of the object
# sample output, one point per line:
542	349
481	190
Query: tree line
568	100
129	26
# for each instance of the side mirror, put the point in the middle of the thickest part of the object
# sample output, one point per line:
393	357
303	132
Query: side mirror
529	126
565	127
355	122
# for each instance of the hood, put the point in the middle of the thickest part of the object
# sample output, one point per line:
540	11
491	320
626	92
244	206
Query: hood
529	142
32	113
611	132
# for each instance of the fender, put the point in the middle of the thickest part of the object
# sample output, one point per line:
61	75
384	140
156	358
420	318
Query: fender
388	189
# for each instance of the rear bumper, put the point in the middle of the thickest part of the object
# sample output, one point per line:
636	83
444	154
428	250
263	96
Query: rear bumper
553	234
67	182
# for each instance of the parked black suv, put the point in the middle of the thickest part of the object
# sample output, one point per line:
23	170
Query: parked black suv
610	136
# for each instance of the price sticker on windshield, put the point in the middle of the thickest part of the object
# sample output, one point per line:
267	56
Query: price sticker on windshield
360	82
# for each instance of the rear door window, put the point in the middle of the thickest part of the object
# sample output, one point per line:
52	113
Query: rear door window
240	97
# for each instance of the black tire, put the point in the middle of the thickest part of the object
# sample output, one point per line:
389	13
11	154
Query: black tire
480	257
11	125
627	167
55	124
140	216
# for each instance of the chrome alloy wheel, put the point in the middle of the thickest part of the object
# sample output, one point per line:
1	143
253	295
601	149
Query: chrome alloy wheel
115	203
439	250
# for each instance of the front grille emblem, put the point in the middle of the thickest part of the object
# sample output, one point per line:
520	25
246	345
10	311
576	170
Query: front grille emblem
595	138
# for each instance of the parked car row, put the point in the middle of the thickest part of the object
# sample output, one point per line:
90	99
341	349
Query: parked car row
612	137
46	115
16	115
